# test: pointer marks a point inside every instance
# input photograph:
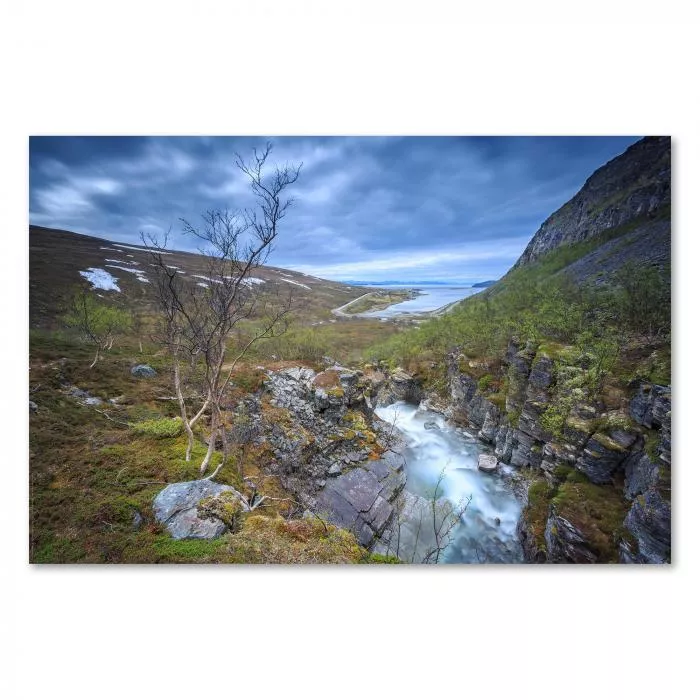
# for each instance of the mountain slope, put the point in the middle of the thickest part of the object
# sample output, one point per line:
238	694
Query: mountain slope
57	258
634	186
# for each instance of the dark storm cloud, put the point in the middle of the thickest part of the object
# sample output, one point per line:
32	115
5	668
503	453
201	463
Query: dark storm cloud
367	208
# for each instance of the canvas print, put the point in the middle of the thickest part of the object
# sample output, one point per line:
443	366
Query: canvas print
368	350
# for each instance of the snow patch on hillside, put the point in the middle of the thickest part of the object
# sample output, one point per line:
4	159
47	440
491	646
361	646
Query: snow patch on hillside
142	250
139	273
298	284
100	279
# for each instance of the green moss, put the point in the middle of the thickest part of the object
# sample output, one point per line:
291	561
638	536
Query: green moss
556	351
485	382
537	510
562	472
57	550
651	446
596	511
374	558
159	427
336	391
167	549
355	419
498	400
225	506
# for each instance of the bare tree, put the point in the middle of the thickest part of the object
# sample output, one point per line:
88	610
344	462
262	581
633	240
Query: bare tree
443	523
424	526
99	324
199	318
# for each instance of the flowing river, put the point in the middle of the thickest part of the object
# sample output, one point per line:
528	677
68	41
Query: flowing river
486	532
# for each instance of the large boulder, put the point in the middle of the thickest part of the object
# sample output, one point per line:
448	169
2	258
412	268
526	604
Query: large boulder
176	507
143	371
487	463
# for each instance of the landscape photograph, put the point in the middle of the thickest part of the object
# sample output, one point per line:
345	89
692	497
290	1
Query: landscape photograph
380	350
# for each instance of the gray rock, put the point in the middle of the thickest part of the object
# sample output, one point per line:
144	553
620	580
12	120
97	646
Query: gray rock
565	543
487	463
176	507
33	408
600	459
640	474
359	487
92	401
143	371
649	524
650	404
431	425
336	469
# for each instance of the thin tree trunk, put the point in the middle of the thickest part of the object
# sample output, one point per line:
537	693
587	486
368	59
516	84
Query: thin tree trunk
183	409
212	440
200	413
140	346
97	357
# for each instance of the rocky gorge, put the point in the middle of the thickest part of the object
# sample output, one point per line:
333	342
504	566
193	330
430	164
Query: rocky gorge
595	490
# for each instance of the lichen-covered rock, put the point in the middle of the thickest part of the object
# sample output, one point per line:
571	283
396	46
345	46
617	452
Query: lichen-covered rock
176	507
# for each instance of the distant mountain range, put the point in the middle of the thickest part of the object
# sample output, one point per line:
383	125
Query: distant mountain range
417	283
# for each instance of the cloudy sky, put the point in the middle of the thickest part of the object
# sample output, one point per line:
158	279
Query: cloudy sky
366	208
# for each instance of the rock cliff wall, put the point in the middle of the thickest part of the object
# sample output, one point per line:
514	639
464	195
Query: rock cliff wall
600	486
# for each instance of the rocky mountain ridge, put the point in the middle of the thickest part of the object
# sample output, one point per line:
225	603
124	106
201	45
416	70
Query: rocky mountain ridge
635	185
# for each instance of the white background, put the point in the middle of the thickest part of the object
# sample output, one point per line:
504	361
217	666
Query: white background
346	68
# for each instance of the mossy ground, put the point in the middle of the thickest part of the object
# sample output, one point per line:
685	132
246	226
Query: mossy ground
91	472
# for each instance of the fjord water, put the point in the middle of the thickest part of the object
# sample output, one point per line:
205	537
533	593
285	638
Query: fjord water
487	530
428	299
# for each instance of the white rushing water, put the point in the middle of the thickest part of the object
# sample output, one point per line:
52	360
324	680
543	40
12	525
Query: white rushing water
487	530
